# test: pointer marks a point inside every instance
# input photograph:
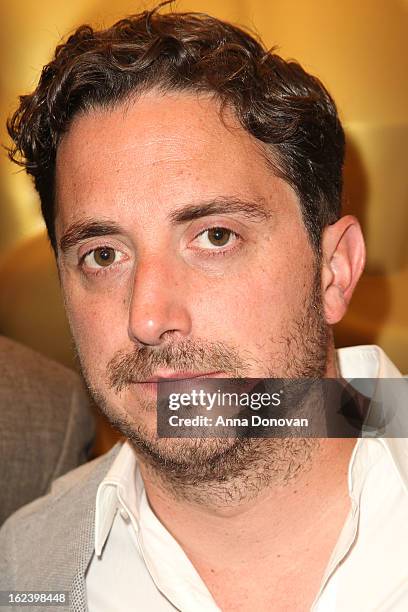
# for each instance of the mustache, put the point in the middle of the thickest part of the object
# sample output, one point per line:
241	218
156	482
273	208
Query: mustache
127	368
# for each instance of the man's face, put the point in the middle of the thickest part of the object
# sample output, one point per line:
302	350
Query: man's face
203	266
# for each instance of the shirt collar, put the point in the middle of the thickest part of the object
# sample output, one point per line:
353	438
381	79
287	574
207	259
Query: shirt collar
370	361
123	489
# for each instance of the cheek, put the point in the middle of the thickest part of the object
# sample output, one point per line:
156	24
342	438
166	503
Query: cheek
98	323
258	302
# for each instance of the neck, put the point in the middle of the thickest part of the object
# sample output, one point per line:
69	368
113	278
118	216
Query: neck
278	524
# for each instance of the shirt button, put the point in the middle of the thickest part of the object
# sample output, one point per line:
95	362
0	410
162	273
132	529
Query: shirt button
124	514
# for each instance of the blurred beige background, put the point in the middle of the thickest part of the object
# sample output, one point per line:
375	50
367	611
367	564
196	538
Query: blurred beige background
359	50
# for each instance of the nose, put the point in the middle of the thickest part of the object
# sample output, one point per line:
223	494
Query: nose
158	304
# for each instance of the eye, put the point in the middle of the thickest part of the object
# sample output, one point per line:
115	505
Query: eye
102	257
216	237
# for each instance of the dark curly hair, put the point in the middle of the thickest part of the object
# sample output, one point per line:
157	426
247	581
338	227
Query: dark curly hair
274	100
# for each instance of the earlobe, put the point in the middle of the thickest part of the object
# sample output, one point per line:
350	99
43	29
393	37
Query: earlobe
343	259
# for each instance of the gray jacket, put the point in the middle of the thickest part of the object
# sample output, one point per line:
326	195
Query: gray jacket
46	426
48	545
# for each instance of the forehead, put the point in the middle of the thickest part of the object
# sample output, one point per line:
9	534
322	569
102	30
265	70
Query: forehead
161	149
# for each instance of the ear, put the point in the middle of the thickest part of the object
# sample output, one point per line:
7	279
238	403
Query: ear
343	259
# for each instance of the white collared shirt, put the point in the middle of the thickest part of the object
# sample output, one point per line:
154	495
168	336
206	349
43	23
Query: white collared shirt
139	566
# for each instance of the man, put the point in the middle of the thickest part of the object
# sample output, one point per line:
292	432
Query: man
191	186
45	422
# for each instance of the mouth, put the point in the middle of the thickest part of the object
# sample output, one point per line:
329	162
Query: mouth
150	385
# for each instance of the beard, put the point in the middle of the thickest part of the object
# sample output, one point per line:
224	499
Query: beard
219	471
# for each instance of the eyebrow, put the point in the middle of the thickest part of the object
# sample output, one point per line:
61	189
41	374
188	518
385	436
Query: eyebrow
255	210
87	228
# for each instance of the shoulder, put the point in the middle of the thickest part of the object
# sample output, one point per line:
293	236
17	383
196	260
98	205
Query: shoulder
46	423
50	525
42	388
83	479
15	355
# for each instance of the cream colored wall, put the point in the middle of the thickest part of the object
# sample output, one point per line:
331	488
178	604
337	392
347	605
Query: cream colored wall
360	51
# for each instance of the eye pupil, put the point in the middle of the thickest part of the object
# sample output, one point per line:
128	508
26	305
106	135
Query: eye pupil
219	236
104	256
